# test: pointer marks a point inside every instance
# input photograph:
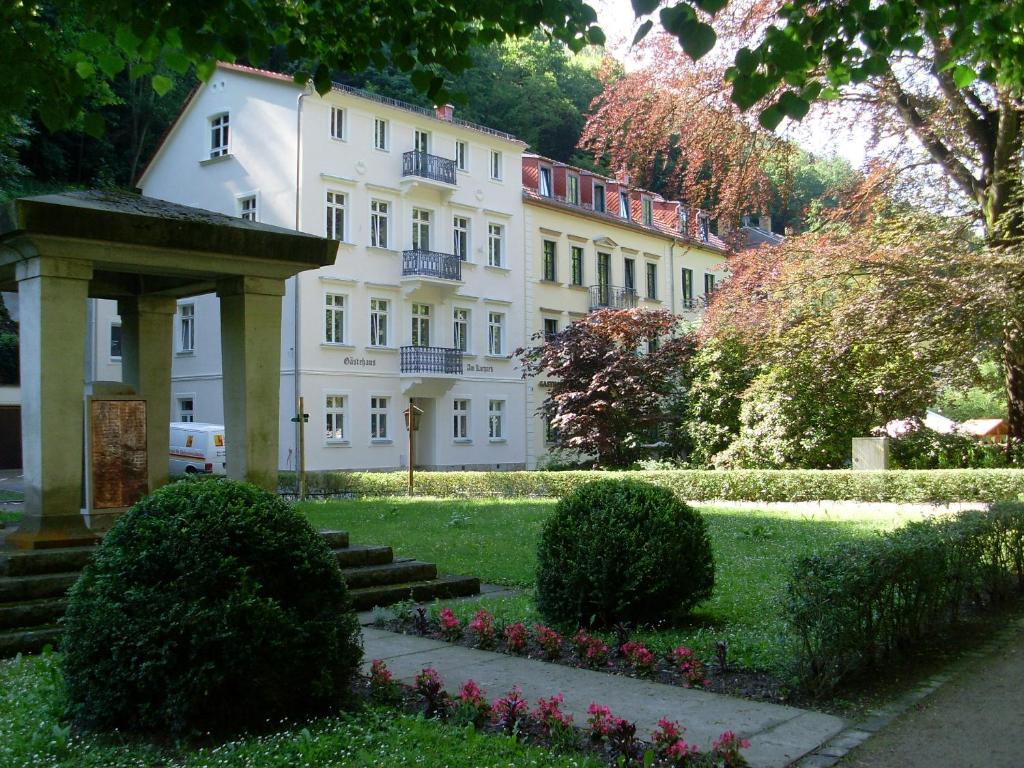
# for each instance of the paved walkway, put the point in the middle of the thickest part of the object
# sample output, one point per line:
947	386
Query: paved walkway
778	734
975	720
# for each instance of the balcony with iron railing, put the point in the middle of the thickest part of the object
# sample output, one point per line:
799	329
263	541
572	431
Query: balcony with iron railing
431	264
427	361
422	165
612	297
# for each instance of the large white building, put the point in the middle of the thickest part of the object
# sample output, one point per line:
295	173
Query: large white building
454	248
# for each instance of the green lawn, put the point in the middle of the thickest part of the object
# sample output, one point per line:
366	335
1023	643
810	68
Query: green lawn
32	735
496	540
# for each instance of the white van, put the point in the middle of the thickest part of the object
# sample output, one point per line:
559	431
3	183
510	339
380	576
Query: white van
197	448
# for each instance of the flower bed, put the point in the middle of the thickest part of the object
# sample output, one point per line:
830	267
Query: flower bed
607	737
680	667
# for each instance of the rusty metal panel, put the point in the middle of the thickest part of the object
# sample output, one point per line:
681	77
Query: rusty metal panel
120	468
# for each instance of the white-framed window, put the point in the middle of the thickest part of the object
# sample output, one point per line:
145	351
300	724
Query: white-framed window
247	208
338	123
599	199
186	408
550	265
629	274
220	140
572	188
420	229
335	215
187	327
380	134
496	419
460	237
380	223
462	155
460	329
624	204
647	206
652	280
496	245
496	165
421	325
460	419
684	221
334	318
421	141
335	418
115	341
545	181
379	418
577	265
495	333
380	316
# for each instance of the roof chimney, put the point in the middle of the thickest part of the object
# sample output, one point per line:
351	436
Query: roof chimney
445	112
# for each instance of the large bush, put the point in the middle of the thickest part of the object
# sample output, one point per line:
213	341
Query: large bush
622	551
209	605
923	448
857	604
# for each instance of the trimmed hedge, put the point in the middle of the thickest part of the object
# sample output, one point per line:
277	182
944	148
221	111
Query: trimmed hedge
902	486
858	604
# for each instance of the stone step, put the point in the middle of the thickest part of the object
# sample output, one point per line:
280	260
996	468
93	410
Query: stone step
31	613
40	561
361	554
15	589
441	588
15	641
335	539
398	572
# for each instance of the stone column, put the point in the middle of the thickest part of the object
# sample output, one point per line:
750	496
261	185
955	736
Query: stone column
250	329
52	295
147	329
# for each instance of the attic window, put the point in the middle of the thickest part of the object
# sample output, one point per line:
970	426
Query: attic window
545	181
624	204
219	127
648	211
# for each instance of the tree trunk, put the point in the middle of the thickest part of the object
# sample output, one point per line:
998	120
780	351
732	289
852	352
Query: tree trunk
1013	358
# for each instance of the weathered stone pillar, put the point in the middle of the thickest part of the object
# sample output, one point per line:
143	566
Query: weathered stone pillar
147	329
250	329
52	295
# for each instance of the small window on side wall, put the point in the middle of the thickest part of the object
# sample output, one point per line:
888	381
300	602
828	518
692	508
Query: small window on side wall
338	123
220	135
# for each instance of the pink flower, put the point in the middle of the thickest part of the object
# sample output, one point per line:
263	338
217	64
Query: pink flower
509	710
482	626
450	627
690	667
516	636
550	715
639	658
601	721
726	749
550	641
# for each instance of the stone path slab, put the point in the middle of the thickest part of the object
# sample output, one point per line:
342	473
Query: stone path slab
779	735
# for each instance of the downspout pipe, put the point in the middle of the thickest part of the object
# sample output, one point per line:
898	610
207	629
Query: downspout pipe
296	314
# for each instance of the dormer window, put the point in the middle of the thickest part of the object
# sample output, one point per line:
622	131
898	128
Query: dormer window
572	189
705	229
684	221
624	204
545	181
219	138
599	202
648	211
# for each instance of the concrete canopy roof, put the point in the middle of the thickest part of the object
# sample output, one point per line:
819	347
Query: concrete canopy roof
139	245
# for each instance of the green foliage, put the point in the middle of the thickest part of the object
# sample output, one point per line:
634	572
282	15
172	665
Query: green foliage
909	486
721	372
984	399
854	605
622	551
923	448
209	605
9	360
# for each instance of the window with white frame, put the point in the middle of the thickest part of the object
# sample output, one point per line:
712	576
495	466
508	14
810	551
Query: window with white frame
545	181
186	327
334	418
647	211
380	223
599	201
462	155
380	311
421	141
495	245
652	280
379	418
247	208
629	274
550	260
577	265
337	123
460	237
380	134
187	409
460	329
420	229
624	204
495	333
496	165
460	419
334	318
496	419
219	135
115	341
421	325
572	188
335	215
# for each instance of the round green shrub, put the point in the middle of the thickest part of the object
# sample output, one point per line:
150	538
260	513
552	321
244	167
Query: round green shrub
209	606
622	551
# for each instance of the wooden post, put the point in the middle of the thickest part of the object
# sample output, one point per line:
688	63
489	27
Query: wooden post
410	424
302	450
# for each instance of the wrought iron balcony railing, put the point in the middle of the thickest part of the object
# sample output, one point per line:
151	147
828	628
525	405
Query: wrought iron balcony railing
612	297
416	163
431	360
418	263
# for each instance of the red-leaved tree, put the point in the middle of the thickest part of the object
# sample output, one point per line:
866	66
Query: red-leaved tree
614	374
